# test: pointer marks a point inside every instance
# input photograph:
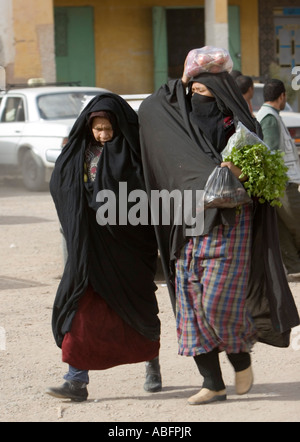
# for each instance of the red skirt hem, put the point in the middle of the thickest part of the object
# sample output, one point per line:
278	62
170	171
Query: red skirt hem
100	339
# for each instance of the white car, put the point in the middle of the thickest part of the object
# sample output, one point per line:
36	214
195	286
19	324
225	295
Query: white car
34	126
135	100
290	118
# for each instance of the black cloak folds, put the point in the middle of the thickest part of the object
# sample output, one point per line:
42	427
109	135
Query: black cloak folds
119	261
178	156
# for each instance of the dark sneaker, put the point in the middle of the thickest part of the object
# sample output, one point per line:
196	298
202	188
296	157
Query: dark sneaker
153	382
74	390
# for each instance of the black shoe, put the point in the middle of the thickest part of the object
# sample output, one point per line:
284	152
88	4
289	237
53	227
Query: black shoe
293	277
74	390
153	382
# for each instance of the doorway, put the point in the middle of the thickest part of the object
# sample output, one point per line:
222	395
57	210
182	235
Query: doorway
185	31
74	45
175	32
178	30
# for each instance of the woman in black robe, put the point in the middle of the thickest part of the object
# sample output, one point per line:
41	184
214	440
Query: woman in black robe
182	137
105	312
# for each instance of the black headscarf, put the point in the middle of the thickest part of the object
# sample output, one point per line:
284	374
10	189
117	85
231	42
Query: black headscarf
119	261
178	154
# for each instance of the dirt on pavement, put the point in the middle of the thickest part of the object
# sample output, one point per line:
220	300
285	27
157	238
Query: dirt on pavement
31	267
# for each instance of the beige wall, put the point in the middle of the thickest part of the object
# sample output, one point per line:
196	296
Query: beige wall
123	40
34	40
249	35
221	11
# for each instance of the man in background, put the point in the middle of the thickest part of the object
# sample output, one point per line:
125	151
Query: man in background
246	86
277	137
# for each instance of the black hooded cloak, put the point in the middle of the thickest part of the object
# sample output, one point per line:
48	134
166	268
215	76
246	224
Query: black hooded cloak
118	261
178	155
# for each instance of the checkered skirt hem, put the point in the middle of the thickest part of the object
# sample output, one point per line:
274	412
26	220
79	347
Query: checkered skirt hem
211	286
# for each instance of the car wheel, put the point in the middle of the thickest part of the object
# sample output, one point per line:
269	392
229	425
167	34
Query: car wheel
33	172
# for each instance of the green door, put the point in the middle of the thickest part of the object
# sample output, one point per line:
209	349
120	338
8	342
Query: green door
160	46
234	36
74	45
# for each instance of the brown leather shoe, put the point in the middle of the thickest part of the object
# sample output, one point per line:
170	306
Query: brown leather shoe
244	381
206	396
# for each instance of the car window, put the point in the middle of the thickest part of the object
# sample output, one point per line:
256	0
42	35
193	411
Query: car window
14	110
61	105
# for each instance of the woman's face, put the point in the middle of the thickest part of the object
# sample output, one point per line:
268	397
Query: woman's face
102	130
199	88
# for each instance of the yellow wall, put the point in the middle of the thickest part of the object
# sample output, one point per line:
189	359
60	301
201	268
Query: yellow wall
249	28
221	11
34	44
123	40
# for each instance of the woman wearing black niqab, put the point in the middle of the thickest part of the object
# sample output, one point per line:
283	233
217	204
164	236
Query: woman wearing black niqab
105	312
227	285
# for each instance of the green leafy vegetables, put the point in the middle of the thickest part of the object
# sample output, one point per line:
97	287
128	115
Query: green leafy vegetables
265	171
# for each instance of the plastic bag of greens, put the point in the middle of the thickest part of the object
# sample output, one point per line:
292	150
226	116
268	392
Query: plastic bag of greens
264	169
242	137
224	190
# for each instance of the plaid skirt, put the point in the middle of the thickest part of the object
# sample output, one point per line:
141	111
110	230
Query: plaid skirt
211	286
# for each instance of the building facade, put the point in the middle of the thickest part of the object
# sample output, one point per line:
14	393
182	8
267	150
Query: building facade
133	46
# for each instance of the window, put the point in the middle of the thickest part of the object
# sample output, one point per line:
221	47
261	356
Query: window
14	110
56	106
